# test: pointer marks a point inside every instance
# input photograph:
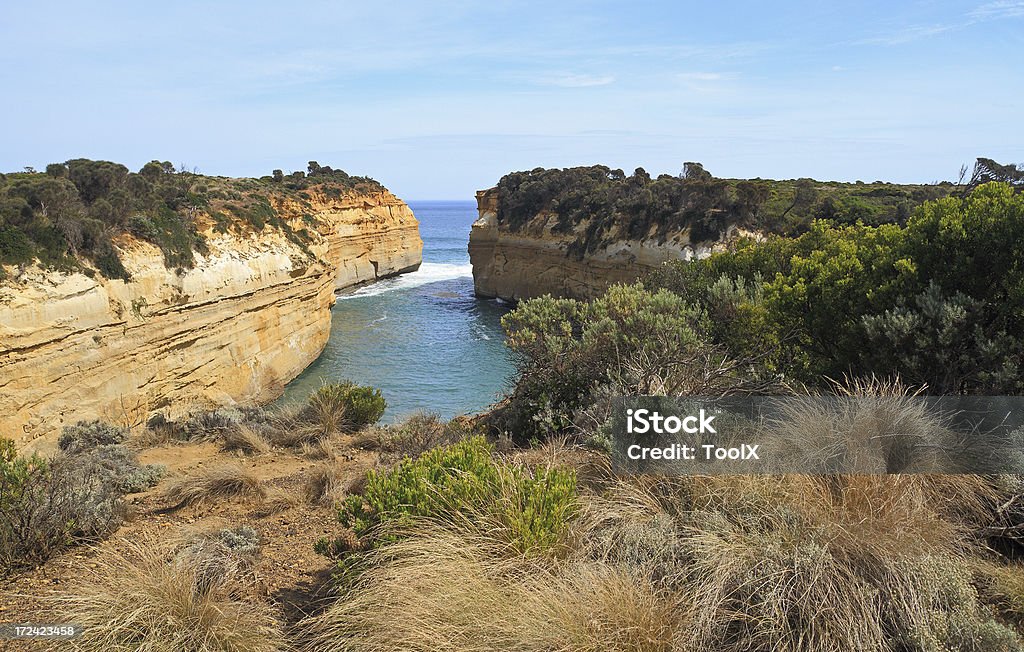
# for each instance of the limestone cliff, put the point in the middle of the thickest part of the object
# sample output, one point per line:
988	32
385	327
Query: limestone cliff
535	259
252	313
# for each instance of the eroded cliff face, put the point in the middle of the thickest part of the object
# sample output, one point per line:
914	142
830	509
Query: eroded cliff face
251	314
368	237
533	260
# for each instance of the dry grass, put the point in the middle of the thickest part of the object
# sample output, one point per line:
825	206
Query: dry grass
209	485
703	564
219	557
804	562
860	434
298	426
454	591
325	485
419	433
146	598
322	448
244	438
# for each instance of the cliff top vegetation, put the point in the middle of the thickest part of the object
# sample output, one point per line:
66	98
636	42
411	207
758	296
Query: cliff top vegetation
69	215
601	204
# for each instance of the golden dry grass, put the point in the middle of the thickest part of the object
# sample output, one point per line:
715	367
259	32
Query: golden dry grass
245	438
325	484
209	485
143	597
455	591
701	564
322	448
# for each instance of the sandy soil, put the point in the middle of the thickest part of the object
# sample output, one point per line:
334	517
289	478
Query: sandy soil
291	575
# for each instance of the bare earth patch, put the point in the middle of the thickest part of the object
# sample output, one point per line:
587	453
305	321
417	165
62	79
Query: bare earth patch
291	576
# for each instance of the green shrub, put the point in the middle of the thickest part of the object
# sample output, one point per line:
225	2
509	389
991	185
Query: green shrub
15	246
359	405
535	508
938	302
464	478
76	209
598	204
48	505
443	479
564	349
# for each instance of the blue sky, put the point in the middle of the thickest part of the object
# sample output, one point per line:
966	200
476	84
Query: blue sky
439	99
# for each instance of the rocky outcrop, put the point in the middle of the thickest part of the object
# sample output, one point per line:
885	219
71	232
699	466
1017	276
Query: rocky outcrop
368	237
533	260
252	313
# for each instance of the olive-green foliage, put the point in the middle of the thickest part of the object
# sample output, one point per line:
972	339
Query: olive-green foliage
465	478
939	301
76	496
535	508
359	405
176	237
16	473
637	206
76	210
86	435
563	348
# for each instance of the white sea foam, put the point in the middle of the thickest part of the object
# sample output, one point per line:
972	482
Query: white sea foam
427	273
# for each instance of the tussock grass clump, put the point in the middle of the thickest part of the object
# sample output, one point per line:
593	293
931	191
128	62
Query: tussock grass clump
245	438
806	562
209	485
442	587
147	598
357	405
320	449
333	409
416	435
325	485
221	556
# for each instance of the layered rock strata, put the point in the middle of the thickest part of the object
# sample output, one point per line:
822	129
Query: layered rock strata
533	260
251	314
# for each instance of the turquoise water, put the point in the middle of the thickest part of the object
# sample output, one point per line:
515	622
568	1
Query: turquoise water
422	338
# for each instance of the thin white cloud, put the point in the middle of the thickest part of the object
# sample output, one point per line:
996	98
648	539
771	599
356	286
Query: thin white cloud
998	10
908	35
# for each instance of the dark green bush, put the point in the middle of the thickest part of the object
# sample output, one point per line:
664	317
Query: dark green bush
614	205
76	210
358	405
15	246
939	302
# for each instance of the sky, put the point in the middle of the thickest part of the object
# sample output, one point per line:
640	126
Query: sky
439	99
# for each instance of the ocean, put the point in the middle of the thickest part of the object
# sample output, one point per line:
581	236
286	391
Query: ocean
423	338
